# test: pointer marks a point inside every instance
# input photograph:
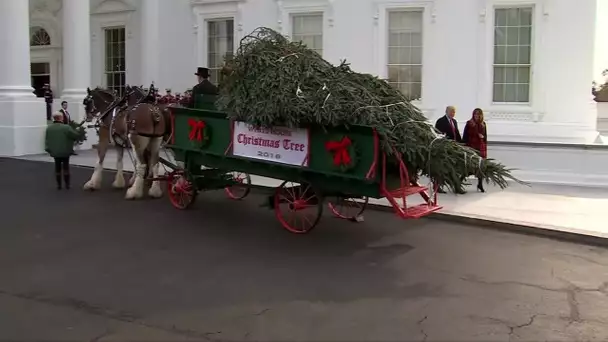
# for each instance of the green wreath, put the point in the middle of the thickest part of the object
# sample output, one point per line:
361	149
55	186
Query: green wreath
342	153
199	133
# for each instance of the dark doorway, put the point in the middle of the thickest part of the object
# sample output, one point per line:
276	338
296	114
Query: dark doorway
41	75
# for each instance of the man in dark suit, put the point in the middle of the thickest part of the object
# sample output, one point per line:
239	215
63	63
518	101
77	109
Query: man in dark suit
65	113
449	126
204	86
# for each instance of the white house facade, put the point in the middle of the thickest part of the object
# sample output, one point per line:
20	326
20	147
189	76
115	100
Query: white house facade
527	63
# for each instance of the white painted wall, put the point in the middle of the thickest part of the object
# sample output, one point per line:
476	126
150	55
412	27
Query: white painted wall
167	40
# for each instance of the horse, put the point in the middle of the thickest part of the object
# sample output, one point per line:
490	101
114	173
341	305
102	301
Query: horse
127	120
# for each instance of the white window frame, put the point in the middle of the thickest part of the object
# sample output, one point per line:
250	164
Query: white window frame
289	8
486	73
292	17
213	70
380	45
105	71
215	10
532	55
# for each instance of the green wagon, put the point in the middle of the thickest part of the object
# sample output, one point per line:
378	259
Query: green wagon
341	166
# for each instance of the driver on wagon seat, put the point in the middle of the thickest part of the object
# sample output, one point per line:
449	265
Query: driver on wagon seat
204	86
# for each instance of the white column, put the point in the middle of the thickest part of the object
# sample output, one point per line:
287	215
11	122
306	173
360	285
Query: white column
76	49
22	115
15	77
150	34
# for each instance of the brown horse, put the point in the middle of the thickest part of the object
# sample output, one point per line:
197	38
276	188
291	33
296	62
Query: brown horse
127	121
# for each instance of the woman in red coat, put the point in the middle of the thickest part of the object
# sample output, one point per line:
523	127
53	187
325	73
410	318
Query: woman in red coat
475	136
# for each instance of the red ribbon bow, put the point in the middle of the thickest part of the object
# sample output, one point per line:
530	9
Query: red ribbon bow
340	151
196	129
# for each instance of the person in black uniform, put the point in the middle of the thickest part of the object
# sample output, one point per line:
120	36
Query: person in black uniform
48	98
204	86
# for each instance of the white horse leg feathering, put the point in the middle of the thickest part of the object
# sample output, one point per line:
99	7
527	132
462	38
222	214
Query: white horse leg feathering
139	144
119	180
154	148
95	182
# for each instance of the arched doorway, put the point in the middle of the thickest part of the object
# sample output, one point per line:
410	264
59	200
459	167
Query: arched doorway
44	60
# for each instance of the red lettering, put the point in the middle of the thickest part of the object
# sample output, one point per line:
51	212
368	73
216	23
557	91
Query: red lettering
291	146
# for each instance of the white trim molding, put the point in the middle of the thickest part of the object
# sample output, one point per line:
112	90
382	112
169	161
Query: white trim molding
288	8
534	110
205	10
380	46
108	14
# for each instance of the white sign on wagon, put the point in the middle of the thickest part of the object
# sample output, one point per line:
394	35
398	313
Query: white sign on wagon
278	144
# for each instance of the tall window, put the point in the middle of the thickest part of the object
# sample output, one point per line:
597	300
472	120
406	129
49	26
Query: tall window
115	59
308	29
41	75
220	45
512	54
405	51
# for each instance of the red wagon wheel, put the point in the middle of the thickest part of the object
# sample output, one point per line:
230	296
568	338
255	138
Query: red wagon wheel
242	188
348	208
297	207
181	190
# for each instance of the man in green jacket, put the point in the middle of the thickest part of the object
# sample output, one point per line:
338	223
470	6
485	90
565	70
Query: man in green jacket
59	143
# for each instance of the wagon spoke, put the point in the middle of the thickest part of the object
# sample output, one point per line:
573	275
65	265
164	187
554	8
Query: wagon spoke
298	215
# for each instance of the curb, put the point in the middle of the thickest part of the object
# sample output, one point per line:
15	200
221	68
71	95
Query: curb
483	223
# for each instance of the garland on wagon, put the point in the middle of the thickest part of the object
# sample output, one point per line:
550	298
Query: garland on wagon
271	81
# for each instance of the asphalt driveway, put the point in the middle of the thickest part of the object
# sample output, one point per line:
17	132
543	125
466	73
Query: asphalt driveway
93	267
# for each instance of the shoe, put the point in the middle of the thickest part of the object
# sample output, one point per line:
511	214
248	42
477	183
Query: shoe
441	191
481	189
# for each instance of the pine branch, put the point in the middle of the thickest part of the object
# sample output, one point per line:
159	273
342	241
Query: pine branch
272	81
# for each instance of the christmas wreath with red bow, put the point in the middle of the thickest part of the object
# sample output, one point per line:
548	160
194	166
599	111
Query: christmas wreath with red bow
342	153
199	133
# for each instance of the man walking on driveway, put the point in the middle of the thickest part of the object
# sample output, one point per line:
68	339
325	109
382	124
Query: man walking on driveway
59	143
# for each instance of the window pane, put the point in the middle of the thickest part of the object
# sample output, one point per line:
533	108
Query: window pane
513	17
523	93
499	75
512	52
500	17
512	35
524	55
308	29
500	36
525	35
405	44
510	92
500	55
499	93
523	75
510	75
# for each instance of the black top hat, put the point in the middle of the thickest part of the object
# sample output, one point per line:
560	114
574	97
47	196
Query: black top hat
204	72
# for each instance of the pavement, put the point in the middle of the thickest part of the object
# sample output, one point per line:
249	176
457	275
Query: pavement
90	266
560	211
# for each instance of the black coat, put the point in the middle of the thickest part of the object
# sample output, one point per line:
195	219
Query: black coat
203	88
443	126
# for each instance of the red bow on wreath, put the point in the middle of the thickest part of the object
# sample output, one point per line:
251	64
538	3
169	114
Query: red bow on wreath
196	129
340	151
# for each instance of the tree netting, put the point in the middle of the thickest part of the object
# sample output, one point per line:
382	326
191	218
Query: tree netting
271	81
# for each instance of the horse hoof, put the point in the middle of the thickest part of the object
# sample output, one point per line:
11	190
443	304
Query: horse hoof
89	186
155	192
132	194
118	185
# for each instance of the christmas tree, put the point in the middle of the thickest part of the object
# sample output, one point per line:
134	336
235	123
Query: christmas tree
271	81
